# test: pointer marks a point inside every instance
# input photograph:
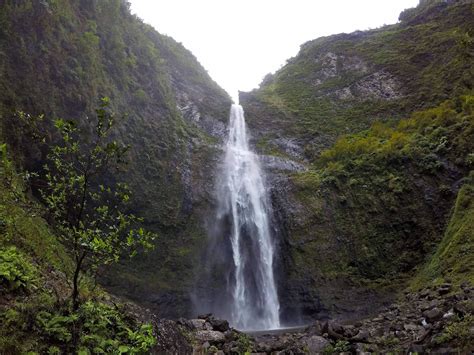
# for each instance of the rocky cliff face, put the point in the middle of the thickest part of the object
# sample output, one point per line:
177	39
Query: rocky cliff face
358	210
60	57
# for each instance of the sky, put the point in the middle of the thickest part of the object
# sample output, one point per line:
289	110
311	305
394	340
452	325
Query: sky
240	41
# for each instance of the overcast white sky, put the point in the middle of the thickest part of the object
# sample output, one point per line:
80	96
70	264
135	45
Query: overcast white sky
240	41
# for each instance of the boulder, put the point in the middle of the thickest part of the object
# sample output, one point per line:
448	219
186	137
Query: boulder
423	335
206	316
316	328
169	338
412	327
444	289
220	325
335	330
198	324
231	335
271	345
316	344
449	316
425	293
464	307
349	331
361	337
211	336
433	315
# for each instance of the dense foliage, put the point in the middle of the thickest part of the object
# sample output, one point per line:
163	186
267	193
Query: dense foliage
16	273
390	189
379	124
36	325
89	213
35	270
453	258
58	56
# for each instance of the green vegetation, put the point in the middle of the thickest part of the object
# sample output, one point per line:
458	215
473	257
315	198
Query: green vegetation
58	57
442	131
23	231
367	203
16	273
341	346
36	311
36	325
244	344
88	214
454	256
457	333
343	83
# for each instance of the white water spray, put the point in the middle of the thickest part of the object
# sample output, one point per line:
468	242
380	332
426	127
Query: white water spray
255	302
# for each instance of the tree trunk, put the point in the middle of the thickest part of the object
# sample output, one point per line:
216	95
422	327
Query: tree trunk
75	301
75	282
75	288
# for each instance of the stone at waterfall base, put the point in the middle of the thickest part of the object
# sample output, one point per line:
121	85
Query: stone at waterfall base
417	323
316	344
211	336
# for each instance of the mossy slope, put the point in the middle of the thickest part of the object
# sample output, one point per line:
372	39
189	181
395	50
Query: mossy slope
342	83
375	206
59	57
35	296
453	260
374	202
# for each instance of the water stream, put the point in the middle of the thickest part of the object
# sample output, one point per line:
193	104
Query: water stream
243	201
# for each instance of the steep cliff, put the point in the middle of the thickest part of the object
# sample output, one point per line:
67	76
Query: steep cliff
59	57
363	198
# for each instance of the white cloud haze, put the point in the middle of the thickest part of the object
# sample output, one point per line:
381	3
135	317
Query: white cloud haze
240	41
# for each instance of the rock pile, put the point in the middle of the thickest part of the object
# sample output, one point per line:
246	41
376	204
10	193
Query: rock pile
436	320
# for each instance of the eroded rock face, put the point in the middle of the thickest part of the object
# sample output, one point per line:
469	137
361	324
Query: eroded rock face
364	83
213	125
291	146
279	164
377	86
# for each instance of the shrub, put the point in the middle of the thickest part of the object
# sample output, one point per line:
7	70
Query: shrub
55	326
104	330
244	344
16	273
458	331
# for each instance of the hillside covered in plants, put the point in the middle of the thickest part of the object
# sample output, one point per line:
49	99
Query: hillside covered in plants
59	58
373	132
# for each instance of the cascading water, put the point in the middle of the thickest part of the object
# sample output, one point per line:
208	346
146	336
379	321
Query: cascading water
243	202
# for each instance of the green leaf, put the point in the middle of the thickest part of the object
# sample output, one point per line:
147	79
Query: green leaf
123	349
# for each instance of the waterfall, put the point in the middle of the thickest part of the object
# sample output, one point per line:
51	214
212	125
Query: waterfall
243	201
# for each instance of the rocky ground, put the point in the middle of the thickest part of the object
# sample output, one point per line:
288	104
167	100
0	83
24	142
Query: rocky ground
437	320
